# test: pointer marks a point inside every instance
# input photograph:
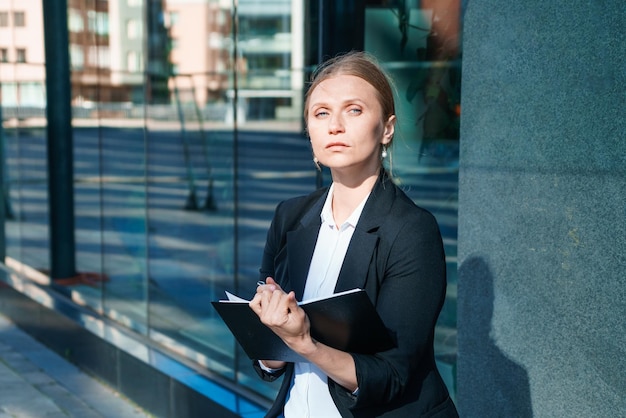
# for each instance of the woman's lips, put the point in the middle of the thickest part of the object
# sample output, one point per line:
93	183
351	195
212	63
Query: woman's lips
336	145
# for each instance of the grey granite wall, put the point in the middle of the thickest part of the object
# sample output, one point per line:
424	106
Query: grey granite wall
542	210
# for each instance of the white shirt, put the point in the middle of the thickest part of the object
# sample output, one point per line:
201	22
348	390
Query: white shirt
309	396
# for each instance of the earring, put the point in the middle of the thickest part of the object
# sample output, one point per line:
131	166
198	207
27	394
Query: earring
384	154
317	163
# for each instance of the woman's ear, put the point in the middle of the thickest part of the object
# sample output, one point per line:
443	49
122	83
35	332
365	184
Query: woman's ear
390	125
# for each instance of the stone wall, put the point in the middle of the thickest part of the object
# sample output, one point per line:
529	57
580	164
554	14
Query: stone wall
542	210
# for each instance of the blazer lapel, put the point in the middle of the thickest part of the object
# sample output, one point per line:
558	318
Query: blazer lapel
300	247
357	262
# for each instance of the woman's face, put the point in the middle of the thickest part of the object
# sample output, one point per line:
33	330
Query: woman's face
346	125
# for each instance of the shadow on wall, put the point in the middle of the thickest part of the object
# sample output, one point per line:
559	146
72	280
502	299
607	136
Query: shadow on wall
489	383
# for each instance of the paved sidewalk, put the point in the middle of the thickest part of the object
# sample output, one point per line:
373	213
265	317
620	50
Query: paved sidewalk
36	382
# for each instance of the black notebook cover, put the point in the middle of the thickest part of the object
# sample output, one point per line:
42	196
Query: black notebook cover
346	321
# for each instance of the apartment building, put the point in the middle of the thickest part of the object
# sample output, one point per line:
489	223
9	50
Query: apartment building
265	53
200	45
271	43
22	71
106	45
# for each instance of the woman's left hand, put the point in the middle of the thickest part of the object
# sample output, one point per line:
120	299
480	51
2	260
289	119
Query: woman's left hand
280	312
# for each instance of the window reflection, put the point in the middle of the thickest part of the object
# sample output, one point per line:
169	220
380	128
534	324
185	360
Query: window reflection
419	42
188	132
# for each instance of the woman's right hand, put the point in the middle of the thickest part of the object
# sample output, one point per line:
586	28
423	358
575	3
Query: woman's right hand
270	285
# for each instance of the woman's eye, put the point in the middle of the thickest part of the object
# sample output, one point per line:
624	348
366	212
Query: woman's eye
321	113
355	111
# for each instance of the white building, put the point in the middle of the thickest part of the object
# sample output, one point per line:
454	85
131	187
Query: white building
22	71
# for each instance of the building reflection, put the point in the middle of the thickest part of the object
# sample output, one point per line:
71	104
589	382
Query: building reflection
188	132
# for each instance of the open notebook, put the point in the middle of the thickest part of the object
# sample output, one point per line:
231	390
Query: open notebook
347	321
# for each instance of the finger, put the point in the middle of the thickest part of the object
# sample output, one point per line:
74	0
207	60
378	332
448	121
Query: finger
270	285
265	288
296	312
276	309
271	281
282	302
261	303
256	304
291	300
276	301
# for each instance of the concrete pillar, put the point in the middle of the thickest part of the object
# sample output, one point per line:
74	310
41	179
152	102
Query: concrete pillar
542	210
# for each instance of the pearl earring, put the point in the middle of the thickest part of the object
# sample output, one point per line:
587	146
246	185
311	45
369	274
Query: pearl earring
316	162
384	154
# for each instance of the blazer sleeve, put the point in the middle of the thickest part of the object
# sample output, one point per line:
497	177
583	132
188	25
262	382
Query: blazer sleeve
409	300
272	244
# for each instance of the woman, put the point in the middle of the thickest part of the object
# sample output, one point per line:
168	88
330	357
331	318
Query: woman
360	232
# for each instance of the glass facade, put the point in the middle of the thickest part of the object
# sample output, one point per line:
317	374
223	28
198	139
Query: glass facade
187	131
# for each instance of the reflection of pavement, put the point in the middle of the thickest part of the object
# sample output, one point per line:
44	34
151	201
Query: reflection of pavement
37	382
189	256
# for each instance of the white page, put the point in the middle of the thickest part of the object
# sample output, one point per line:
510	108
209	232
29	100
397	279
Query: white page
234	298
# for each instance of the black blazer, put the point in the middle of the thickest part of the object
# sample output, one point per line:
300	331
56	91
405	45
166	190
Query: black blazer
396	255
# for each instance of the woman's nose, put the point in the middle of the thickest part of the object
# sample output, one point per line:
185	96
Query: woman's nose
335	124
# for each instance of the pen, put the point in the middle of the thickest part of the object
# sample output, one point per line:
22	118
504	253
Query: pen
260	283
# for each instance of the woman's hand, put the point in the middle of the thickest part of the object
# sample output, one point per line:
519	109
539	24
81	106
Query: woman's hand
280	312
270	285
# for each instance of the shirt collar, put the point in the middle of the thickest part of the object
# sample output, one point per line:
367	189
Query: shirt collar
327	210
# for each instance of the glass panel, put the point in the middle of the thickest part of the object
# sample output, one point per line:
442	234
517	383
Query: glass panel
24	165
122	153
419	44
27	204
274	156
191	175
23	139
226	131
110	179
188	132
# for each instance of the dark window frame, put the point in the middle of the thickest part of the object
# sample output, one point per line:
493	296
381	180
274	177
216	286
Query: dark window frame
20	55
